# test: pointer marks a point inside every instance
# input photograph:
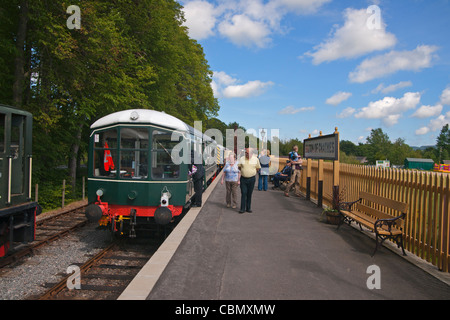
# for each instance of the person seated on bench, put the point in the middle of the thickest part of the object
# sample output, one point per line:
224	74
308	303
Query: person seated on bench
283	175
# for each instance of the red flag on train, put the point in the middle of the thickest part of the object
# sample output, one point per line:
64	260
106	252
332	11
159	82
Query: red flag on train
108	160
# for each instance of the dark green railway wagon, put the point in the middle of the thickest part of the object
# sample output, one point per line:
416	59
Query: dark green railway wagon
17	211
139	162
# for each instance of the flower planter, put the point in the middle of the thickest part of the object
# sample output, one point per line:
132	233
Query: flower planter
333	217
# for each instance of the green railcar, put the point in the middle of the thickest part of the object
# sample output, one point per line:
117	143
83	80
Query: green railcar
17	211
139	163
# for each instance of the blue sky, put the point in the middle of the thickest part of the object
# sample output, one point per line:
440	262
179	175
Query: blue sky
304	66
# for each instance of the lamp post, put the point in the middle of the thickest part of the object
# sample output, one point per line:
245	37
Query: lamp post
263	134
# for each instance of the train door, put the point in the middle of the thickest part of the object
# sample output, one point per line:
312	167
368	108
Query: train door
190	184
17	154
3	159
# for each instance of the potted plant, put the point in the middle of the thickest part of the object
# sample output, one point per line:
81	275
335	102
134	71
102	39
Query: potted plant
332	216
332	213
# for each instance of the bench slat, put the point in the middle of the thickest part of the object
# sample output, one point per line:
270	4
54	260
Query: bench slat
360	217
378	214
396	205
369	222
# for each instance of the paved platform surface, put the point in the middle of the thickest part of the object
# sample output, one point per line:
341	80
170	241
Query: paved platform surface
282	251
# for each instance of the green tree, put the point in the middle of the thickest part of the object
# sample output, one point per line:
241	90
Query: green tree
443	144
348	147
378	146
400	151
127	54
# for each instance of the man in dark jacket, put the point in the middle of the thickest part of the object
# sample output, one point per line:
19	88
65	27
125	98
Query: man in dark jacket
283	175
197	172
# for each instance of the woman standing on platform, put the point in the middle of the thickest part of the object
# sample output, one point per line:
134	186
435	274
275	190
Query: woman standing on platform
231	176
264	160
249	164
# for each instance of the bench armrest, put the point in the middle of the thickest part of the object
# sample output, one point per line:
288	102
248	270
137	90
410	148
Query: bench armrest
388	222
347	206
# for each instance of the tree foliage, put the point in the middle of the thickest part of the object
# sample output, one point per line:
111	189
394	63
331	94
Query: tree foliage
127	54
378	146
443	144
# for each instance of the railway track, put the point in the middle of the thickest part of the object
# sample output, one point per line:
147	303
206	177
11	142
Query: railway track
48	230
39	271
106	275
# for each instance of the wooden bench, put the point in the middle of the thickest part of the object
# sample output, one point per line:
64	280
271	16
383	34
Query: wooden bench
370	211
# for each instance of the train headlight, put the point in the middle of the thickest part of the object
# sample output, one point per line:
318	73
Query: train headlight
100	192
164	200
165	196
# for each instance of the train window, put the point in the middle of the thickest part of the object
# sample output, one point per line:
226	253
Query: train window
16	146
163	166
105	153
131	138
133	164
2	132
134	153
106	139
105	163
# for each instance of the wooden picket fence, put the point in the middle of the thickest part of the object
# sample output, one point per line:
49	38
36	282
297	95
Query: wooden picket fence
427	227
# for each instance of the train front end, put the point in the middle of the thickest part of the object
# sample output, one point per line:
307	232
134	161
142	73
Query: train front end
134	181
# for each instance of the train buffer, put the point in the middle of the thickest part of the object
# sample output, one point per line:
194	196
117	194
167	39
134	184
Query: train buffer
280	251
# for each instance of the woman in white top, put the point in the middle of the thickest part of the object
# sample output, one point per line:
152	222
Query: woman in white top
231	177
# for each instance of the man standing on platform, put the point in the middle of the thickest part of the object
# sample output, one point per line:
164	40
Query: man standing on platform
197	172
249	164
296	163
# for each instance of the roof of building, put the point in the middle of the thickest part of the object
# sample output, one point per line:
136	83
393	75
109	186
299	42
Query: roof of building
419	160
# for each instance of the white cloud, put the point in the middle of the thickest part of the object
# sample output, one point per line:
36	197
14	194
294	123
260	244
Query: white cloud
243	31
301	6
432	111
422	131
250	89
346	113
394	87
338	98
200	19
291	110
439	122
226	86
220	81
243	22
445	97
392	62
428	111
390	109
391	119
353	39
224	79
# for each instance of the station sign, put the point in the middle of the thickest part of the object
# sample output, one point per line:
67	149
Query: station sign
323	147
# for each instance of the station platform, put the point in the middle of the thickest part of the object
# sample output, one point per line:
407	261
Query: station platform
281	251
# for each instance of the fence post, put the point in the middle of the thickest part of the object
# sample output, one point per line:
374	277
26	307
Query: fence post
83	189
336	172
320	184
63	193
36	190
444	265
308	179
